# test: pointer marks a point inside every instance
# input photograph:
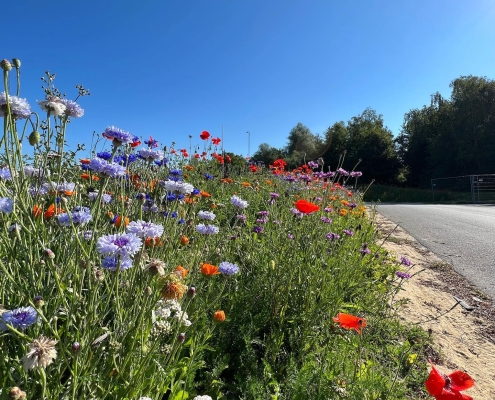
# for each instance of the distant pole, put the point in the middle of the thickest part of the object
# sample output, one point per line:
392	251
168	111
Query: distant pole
249	144
223	155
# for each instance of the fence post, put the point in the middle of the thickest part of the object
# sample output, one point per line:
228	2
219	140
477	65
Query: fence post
432	189
471	181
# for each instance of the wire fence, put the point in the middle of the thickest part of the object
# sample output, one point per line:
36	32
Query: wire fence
466	188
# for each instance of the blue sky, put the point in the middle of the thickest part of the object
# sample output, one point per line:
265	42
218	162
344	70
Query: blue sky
174	68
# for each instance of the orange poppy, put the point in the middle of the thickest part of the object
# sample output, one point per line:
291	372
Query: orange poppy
343	212
118	221
189	167
87	176
306	207
227	180
246	184
37	210
181	271
52	210
348	321
219	316
204	194
85	161
209	270
184	240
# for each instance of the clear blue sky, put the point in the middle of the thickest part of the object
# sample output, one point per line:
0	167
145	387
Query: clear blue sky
174	68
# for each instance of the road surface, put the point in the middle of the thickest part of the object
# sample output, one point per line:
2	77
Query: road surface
462	235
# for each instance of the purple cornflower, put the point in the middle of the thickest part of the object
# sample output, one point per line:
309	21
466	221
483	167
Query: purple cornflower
113	170
118	136
207	229
296	212
151	143
111	263
72	109
150	206
241	217
290	178
263	213
19	107
403	275
227	268
123	245
312	164
5	174
262	220
80	216
151	155
326	220
365	251
290	236
332	236
87	235
207	215
356	174
6	205
238	202
258	229
328	209
20	318
342	172
144	229
348	232
274	195
405	261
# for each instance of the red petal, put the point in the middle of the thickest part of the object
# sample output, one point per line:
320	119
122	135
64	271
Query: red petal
435	382
460	380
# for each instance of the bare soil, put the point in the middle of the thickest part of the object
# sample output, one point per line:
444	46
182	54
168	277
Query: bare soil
462	339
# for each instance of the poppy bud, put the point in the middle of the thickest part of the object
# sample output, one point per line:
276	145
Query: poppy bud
16	63
5	65
181	337
148	291
184	240
34	138
219	316
38	301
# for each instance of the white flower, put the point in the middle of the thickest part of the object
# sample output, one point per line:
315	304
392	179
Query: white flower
41	353
204	397
52	106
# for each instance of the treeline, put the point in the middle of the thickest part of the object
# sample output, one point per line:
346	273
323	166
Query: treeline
448	137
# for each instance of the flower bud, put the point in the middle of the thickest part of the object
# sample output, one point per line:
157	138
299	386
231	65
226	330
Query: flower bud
38	301
5	65
191	292
16	63
181	337
148	291
34	138
17	394
49	254
76	347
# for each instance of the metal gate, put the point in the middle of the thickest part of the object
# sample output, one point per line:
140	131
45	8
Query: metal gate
465	188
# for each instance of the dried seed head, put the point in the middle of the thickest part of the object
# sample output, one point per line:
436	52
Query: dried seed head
41	353
17	394
155	267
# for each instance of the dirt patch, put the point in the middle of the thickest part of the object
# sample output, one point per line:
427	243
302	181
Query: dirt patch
462	339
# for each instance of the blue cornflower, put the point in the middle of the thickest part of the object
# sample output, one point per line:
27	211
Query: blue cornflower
195	191
125	159
118	136
150	205
175	172
162	162
6	205
181	221
123	245
171	197
207	229
208	215
173	214
80	216
208	176
72	109
111	263
5	173
106	155
19	107
151	143
20	318
145	229
228	269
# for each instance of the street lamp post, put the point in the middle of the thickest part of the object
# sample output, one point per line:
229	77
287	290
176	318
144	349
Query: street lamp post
249	144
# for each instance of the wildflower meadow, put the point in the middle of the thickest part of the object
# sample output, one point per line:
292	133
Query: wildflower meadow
136	270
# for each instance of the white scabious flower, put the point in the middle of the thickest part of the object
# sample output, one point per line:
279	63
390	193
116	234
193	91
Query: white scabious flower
53	106
177	186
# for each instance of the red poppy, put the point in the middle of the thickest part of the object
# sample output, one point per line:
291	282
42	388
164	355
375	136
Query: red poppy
253	168
444	387
136	143
204	135
220	159
214	155
306	207
348	321
216	141
196	155
227	158
172	151
279	163
185	154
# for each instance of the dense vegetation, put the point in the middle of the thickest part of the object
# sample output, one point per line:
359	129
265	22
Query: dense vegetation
449	137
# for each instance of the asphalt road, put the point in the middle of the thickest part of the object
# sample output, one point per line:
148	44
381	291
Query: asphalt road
462	235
